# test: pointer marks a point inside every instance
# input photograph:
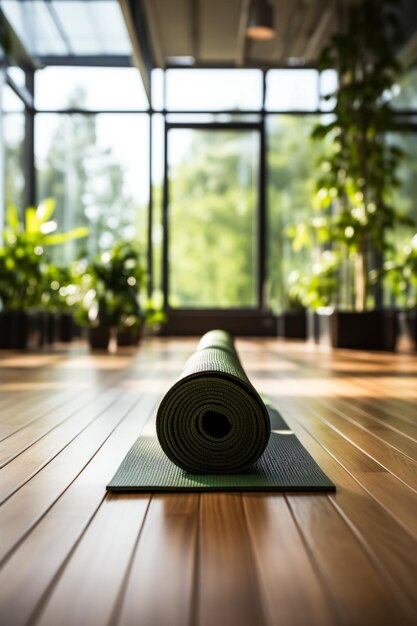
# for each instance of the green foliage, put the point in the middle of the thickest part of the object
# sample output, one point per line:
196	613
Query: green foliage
291	167
22	258
59	293
317	288
109	287
401	271
91	187
213	196
354	192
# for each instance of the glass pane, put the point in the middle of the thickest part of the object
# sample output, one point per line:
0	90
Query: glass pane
292	90
14	134
211	90
17	75
292	170
157	86
11	102
89	88
97	169
94	27
328	86
220	118
70	27
404	200
212	218
34	26
405	93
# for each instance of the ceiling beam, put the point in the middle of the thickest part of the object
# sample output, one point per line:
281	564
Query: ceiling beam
294	25
194	10
140	52
313	44
241	40
155	32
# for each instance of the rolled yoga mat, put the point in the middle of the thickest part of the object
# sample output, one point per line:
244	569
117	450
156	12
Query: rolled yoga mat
213	421
230	424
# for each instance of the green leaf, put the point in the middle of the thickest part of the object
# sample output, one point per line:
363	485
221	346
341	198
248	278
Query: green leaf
31	221
45	209
12	217
57	238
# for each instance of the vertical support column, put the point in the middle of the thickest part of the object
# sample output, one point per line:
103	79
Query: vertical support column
165	263
2	154
262	243
150	209
29	146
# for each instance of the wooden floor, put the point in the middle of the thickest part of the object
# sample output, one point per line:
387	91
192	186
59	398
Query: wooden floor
73	555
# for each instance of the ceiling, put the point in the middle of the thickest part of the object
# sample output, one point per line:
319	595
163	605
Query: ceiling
164	33
58	29
213	32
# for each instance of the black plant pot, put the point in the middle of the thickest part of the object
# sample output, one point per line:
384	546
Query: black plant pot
128	336
370	330
47	327
65	327
292	325
312	326
4	329
20	330
51	327
99	337
411	325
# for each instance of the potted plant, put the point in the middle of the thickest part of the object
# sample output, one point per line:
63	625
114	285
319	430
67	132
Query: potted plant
317	290
59	295
292	321
354	194
110	287
22	263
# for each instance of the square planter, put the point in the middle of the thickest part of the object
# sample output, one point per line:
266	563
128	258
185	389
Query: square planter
65	327
292	325
20	330
99	337
312	322
128	336
47	325
370	330
407	321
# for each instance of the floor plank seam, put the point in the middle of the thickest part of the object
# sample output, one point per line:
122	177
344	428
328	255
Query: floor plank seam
374	498
61	450
367	415
43	600
409	608
45	512
253	560
327	591
357	446
118	605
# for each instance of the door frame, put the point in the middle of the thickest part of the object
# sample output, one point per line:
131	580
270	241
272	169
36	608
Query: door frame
261	251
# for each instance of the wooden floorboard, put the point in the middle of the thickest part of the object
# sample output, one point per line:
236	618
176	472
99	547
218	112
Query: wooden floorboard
72	554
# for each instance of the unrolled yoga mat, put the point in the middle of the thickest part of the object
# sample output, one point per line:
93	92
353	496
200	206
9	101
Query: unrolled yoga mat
213	432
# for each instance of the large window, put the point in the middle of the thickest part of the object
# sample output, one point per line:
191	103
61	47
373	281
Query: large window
97	169
200	90
296	90
14	136
213	206
101	88
228	131
95	165
292	158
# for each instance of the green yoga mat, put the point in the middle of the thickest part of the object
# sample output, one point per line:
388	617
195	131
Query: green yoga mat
213	420
213	432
